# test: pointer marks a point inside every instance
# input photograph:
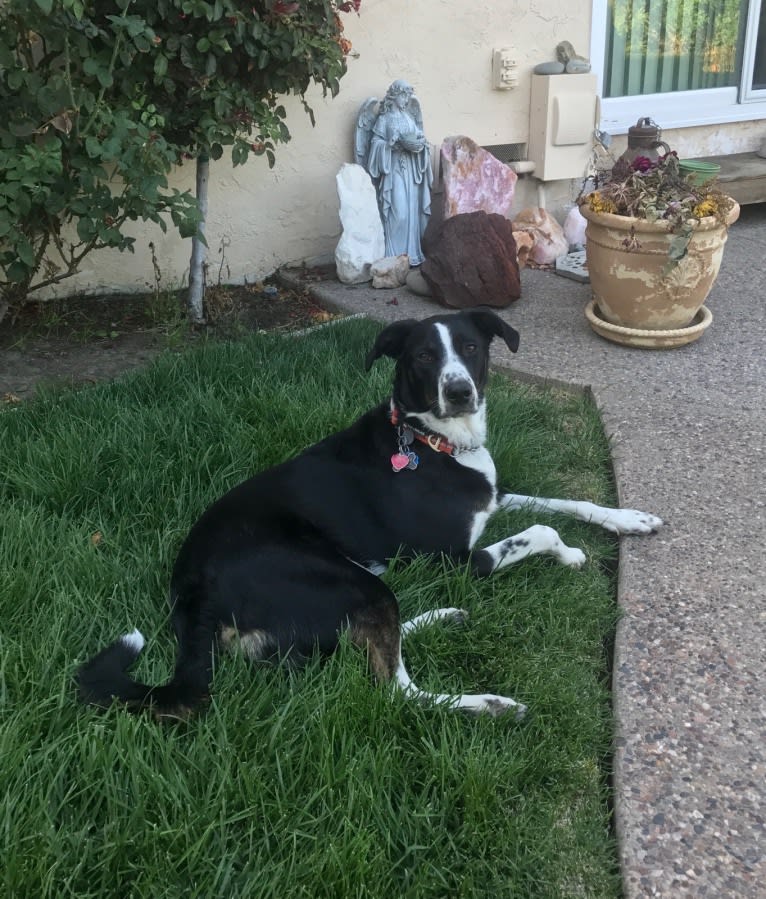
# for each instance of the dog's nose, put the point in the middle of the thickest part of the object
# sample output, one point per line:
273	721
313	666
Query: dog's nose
459	393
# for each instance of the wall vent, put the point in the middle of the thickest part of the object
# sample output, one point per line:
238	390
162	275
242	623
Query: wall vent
508	152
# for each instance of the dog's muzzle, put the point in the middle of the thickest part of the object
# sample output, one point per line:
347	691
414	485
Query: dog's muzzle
459	396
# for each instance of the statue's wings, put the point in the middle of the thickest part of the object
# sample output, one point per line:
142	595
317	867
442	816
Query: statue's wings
413	107
364	122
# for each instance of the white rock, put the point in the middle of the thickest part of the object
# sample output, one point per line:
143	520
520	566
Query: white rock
391	271
574	228
362	241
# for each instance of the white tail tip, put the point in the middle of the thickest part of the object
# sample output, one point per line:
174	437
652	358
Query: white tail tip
134	640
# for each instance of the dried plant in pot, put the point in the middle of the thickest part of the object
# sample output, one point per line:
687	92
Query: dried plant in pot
654	244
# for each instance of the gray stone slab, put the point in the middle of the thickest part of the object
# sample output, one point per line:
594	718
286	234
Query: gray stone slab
574	266
743	176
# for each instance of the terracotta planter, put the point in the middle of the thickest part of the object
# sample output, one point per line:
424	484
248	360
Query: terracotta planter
636	288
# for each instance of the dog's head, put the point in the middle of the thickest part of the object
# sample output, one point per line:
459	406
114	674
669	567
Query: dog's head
442	362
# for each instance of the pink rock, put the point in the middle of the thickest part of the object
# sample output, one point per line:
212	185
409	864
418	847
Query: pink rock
549	241
474	180
525	241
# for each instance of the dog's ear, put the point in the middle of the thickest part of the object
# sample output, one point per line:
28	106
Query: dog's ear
492	325
390	341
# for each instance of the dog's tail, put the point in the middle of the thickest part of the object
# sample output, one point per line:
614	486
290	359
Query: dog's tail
104	679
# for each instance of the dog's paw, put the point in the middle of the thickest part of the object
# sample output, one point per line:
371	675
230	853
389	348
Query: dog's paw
459	616
631	521
573	557
501	705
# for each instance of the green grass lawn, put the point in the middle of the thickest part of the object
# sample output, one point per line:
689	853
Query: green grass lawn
310	784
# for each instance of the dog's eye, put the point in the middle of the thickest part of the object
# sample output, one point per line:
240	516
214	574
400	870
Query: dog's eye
425	356
469	349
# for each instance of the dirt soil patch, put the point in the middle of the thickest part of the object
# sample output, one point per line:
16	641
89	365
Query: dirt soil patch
83	340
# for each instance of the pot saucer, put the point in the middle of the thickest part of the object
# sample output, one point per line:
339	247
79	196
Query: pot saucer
652	340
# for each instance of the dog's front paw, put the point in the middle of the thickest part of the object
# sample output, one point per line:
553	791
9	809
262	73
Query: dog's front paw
573	557
458	616
501	705
631	521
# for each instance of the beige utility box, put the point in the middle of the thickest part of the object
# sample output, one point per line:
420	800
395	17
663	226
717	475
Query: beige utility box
562	116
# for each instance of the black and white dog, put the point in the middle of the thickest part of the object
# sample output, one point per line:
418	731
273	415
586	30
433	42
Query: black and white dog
286	561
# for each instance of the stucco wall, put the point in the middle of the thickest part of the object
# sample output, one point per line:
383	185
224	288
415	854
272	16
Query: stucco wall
737	137
268	218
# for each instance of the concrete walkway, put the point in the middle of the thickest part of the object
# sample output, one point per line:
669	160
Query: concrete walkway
688	431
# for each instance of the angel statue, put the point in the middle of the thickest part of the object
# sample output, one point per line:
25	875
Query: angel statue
389	143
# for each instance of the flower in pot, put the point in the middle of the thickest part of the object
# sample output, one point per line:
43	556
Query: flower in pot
654	243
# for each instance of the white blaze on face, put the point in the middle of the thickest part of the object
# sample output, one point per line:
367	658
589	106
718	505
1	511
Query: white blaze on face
452	370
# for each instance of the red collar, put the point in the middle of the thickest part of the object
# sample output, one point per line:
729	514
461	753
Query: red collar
436	442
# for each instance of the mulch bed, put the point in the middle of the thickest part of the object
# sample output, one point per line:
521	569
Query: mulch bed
81	340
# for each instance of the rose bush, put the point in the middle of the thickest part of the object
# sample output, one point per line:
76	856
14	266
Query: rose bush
100	100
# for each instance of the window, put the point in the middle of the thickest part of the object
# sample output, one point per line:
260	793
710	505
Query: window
682	62
754	67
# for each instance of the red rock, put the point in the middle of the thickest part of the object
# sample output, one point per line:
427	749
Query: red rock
471	261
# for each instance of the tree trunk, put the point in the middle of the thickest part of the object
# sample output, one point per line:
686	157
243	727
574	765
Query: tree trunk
199	247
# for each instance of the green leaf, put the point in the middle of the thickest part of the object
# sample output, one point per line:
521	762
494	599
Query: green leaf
17	272
238	155
678	247
104	78
187	58
45	5
21	129
25	252
86	229
15	79
160	65
111	148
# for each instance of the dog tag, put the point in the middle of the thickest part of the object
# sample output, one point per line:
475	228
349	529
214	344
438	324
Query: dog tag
407	436
414	461
399	461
